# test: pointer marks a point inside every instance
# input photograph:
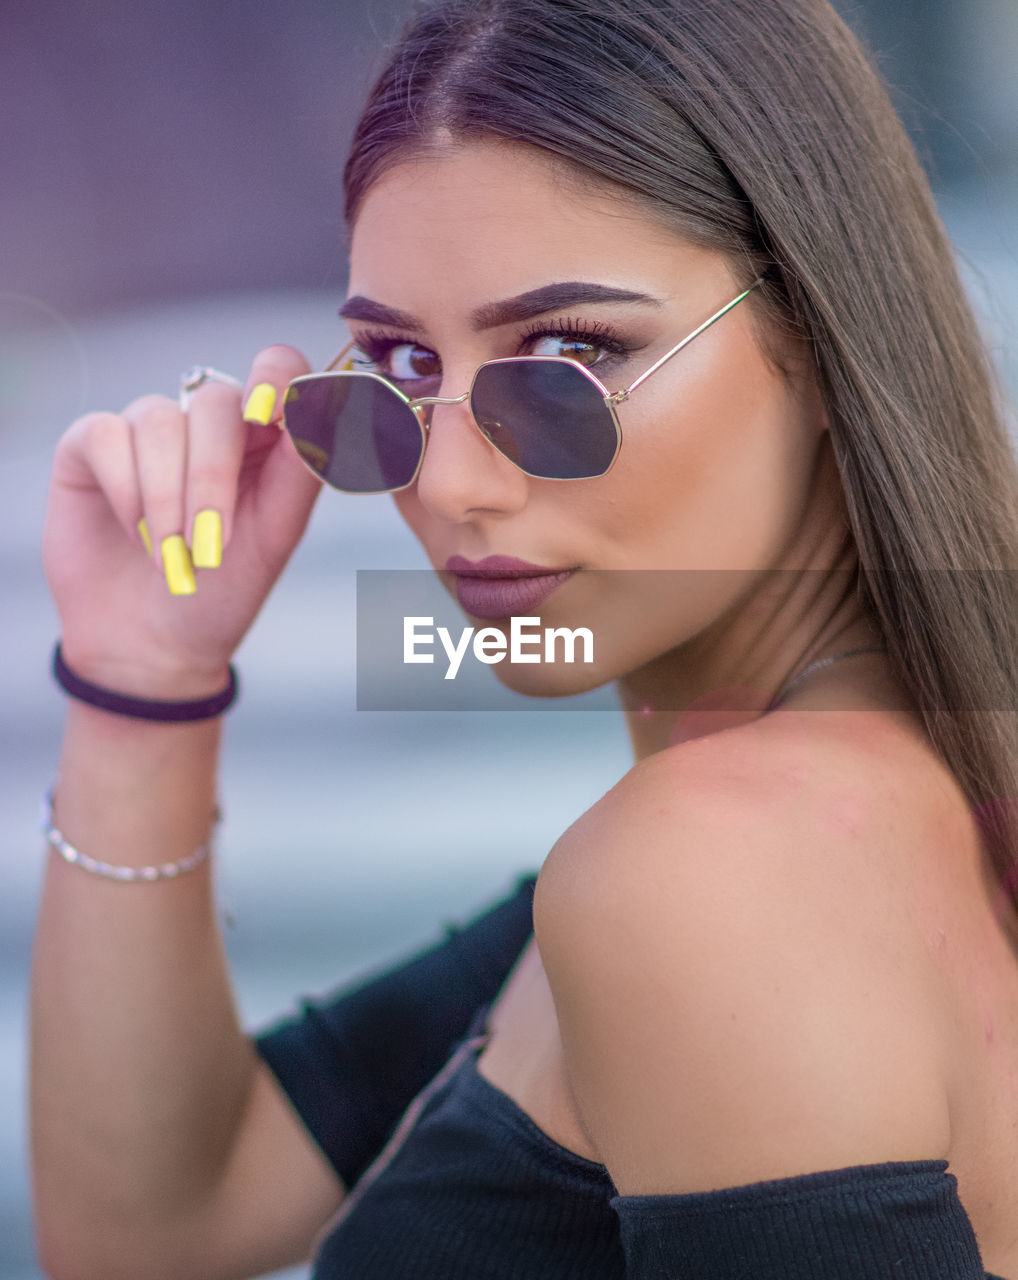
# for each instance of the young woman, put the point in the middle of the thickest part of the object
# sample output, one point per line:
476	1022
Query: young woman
656	331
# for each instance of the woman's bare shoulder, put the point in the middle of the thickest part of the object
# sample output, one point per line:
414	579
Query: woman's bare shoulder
725	952
780	790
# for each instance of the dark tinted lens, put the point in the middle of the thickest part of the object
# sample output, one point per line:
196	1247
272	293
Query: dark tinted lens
546	416
354	431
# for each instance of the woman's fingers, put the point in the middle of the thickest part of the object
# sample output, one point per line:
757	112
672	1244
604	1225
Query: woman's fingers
96	451
216	439
206	487
223	428
287	488
175	481
160	439
272	370
189	463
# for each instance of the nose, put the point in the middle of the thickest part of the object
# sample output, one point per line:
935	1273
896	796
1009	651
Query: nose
462	473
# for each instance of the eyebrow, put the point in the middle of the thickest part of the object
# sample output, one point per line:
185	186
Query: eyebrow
536	302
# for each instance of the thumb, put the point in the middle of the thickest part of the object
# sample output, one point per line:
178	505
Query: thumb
287	491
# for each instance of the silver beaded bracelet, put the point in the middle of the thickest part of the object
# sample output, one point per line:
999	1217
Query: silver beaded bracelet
167	871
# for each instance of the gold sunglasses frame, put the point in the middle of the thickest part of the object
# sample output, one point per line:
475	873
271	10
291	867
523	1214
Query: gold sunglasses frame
418	405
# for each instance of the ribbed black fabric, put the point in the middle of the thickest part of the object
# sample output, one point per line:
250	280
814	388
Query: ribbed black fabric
478	1190
353	1059
470	1187
895	1220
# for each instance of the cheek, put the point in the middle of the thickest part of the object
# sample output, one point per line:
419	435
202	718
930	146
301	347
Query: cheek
717	471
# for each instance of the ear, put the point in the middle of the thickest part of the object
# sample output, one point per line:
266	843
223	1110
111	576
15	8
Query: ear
814	400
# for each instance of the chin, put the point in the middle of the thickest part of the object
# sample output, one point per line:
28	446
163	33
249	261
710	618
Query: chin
552	680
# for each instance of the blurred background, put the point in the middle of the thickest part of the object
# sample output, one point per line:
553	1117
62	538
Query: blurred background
171	196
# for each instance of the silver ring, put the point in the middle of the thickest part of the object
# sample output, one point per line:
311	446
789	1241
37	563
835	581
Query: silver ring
196	377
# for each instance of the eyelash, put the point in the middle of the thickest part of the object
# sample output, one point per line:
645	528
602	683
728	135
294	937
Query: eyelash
597	333
376	346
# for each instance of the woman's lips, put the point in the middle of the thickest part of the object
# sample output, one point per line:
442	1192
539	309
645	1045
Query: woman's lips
503	586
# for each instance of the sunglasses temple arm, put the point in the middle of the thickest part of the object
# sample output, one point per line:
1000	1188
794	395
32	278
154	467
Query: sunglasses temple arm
330	367
624	395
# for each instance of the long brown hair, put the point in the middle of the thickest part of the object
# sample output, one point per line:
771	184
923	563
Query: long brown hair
761	129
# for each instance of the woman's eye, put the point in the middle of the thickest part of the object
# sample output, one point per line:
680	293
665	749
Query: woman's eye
410	361
401	361
561	344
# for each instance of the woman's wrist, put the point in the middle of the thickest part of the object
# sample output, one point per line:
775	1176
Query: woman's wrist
119	872
135	792
145	691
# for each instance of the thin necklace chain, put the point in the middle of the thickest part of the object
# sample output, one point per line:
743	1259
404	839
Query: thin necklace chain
824	662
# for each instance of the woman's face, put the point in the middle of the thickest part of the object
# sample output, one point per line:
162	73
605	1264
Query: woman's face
721	467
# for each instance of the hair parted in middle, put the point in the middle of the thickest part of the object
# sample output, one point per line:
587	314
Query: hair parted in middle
761	129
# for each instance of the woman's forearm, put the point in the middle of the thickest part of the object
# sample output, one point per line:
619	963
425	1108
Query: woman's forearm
139	1067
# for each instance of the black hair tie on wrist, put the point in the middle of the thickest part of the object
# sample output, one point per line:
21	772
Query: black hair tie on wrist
142	708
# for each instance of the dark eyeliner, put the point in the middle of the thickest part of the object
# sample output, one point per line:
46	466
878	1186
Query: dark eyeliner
372	349
378	345
597	333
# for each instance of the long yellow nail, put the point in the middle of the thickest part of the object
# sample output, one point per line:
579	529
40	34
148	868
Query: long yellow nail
177	566
207	540
143	530
260	404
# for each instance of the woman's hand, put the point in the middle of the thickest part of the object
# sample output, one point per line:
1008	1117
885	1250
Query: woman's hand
121	624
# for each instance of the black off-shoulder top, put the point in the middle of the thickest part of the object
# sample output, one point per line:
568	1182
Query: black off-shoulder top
449	1179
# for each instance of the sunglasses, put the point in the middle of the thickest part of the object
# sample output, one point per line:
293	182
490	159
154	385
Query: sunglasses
549	415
